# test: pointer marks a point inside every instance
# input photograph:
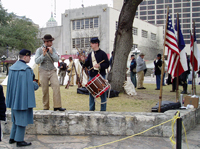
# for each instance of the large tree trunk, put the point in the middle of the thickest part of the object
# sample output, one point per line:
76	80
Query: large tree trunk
123	44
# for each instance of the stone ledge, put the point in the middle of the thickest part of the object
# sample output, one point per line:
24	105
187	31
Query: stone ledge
104	123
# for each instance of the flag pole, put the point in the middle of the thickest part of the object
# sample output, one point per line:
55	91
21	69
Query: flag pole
193	75
163	60
177	71
192	90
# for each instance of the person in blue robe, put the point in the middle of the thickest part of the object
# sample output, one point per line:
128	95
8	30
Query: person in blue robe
20	97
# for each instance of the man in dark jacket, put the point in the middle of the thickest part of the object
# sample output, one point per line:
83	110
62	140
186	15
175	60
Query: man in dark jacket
93	61
184	76
2	108
158	65
63	69
133	70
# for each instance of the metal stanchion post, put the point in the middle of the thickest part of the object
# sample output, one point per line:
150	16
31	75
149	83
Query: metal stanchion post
179	133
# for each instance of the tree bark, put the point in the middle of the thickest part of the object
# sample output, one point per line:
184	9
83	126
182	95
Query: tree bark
123	44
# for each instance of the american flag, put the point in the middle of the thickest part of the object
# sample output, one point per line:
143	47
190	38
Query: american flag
196	52
173	50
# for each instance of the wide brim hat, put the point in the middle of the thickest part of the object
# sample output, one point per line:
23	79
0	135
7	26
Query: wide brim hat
141	54
62	58
47	37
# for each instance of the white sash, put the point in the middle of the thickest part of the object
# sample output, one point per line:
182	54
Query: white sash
94	61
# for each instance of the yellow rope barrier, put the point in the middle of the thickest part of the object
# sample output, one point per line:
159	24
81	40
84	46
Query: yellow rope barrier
171	138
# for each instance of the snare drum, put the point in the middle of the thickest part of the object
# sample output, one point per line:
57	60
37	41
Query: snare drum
97	86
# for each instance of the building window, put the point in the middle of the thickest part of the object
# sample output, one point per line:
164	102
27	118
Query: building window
143	18
87	42
143	8
78	24
85	23
151	7
143	12
186	15
73	25
160	21
177	5
91	23
195	15
151	17
81	42
159	7
168	1
160	11
153	36
96	22
73	43
78	45
152	22
134	46
186	4
116	25
160	1
82	24
135	31
151	12
160	16
144	34
152	2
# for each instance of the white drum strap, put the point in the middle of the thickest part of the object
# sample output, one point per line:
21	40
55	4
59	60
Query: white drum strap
94	61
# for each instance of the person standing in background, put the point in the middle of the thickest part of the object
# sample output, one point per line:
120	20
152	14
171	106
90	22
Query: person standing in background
71	71
158	67
62	71
140	69
133	70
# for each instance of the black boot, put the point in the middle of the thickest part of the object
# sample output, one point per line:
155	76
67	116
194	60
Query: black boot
59	109
23	143
11	141
184	89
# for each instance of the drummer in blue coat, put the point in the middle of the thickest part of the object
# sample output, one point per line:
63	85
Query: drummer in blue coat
20	97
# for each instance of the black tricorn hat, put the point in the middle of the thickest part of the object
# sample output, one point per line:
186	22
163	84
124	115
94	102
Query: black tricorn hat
47	37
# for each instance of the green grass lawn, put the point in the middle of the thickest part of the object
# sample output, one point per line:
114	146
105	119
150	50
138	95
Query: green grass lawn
142	102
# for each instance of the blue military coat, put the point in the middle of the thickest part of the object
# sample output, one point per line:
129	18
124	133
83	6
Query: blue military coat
20	96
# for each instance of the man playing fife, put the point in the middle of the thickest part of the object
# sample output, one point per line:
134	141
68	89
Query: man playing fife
93	60
46	56
20	97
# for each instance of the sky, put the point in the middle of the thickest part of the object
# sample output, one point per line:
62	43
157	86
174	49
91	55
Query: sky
39	11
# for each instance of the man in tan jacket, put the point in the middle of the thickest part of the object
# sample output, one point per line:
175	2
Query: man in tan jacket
71	71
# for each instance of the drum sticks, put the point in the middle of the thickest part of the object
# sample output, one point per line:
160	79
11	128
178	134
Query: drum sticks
98	63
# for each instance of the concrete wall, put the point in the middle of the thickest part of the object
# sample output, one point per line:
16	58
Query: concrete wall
104	123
